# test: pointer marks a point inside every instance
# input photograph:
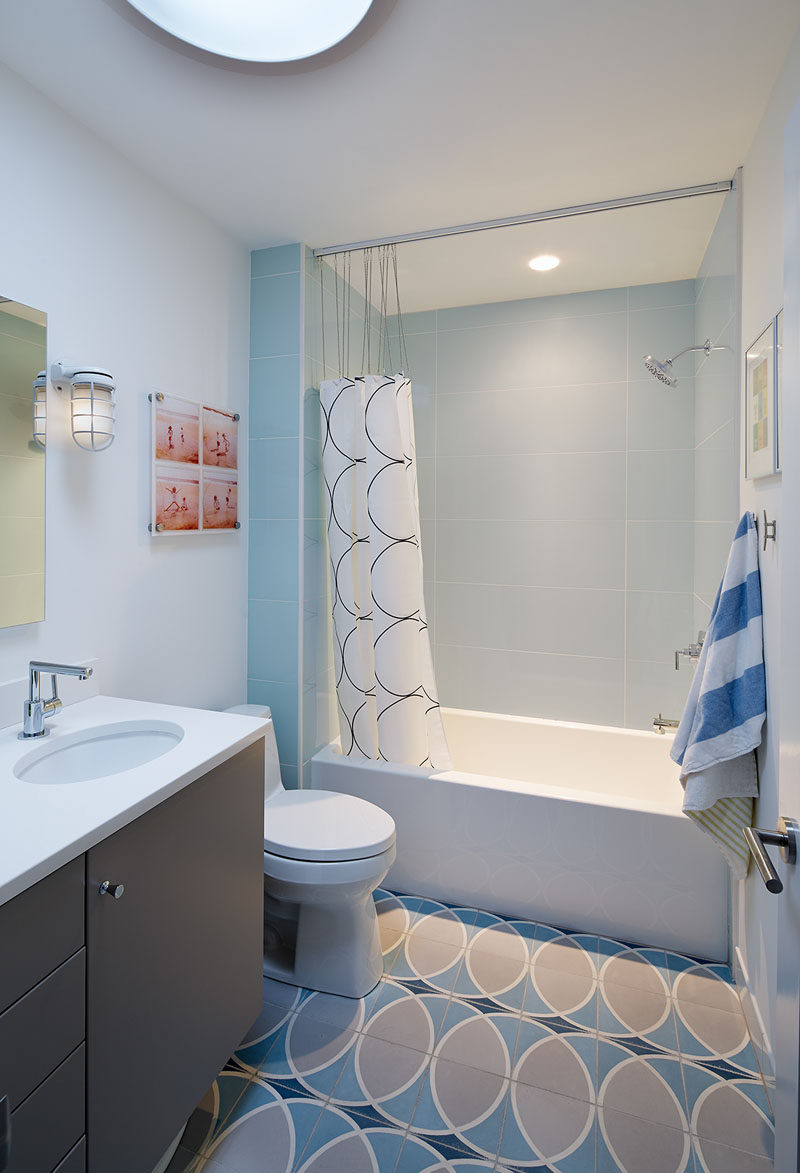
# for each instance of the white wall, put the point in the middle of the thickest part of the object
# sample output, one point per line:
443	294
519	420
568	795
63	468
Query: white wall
133	279
762	297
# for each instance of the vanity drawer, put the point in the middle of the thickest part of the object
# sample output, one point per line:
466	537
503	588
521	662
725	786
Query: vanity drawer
74	1162
52	1120
42	1028
39	929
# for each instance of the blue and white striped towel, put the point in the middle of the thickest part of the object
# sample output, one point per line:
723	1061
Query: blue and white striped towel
721	724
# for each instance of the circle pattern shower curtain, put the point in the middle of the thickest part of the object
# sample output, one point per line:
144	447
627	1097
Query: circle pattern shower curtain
387	698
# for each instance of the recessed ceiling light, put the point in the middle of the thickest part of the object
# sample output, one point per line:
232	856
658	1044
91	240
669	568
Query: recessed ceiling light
257	30
543	263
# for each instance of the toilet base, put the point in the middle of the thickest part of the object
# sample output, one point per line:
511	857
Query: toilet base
337	950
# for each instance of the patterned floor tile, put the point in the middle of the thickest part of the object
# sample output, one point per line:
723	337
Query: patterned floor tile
401	1015
543	1129
214	1109
710	1035
634	1012
461	1107
264	1121
642	968
382	1080
716	1158
564	1063
493	1045
628	1144
648	1086
735	1113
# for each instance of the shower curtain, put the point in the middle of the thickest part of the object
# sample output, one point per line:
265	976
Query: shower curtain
387	700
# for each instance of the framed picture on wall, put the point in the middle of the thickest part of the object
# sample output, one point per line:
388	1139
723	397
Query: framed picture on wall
761	444
194	467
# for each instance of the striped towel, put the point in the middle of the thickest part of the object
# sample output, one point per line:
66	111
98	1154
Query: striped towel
721	724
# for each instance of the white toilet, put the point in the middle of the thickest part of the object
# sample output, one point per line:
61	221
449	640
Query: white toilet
324	856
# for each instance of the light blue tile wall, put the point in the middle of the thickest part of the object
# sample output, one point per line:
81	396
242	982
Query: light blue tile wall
557	489
275	495
716	491
319	720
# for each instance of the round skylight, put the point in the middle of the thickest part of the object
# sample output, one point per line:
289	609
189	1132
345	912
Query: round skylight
258	30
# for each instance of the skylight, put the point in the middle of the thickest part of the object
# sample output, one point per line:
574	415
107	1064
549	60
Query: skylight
258	30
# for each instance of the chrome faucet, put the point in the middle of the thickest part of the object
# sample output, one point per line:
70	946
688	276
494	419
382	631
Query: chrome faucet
692	652
36	709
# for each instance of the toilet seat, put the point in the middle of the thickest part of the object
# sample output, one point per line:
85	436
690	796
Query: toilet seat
325	827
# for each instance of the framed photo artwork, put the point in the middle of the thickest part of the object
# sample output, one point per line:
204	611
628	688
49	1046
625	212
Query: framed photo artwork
761	414
195	467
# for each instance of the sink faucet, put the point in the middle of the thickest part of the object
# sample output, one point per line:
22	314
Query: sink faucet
35	709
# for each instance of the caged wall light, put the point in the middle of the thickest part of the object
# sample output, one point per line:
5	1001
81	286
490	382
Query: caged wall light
40	409
93	399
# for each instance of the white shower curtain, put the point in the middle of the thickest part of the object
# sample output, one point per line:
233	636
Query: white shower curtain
388	706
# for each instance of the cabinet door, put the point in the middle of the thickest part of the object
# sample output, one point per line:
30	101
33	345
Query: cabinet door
174	964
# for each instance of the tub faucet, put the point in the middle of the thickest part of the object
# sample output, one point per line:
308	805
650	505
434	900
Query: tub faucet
35	708
692	652
662	724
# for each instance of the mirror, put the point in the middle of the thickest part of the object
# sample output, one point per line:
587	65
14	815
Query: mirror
23	354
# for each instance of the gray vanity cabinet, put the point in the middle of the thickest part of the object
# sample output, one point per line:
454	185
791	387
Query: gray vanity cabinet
174	961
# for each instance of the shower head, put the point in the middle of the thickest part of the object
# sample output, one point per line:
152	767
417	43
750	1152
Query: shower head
663	370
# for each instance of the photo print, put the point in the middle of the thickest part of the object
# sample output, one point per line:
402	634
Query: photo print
220	500
220	439
177	499
177	430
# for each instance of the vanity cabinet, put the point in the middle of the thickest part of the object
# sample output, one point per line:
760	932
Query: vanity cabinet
174	978
42	1021
118	1009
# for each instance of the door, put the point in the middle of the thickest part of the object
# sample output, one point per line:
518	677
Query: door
174	959
787	1032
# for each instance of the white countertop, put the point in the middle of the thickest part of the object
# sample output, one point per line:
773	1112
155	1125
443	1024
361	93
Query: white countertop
43	827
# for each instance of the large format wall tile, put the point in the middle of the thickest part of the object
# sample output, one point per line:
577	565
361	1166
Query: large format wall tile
569	486
561	688
589	418
532	619
559	352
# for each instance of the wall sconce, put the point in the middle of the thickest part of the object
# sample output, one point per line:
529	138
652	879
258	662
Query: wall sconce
93	398
40	409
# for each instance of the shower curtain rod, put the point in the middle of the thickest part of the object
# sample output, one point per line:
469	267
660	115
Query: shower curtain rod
655	197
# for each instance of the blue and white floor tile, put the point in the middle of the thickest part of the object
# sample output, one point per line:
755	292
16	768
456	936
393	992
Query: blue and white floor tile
493	1045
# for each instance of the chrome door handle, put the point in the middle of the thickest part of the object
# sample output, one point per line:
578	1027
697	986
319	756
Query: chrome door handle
109	889
785	838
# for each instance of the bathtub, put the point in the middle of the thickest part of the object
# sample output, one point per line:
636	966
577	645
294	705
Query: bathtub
579	826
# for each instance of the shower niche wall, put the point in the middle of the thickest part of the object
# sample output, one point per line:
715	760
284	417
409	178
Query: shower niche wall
577	513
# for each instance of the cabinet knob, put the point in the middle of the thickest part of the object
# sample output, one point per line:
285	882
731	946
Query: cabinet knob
109	889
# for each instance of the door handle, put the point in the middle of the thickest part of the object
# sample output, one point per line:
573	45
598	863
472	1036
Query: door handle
785	838
5	1133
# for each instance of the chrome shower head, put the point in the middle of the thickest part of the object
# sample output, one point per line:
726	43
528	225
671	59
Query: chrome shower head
661	370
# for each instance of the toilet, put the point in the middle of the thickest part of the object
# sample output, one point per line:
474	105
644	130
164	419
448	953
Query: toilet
324	855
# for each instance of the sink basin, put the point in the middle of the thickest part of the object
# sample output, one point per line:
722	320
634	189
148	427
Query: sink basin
99	752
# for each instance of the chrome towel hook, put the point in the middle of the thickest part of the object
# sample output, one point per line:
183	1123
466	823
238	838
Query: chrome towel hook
770	529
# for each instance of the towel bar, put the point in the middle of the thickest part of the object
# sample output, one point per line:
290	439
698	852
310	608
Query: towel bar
785	838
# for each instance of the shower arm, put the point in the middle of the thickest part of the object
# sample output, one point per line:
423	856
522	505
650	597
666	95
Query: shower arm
706	347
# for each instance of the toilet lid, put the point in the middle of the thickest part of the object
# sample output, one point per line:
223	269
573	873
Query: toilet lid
324	826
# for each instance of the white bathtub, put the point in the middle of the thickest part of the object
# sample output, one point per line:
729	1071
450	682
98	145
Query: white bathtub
579	826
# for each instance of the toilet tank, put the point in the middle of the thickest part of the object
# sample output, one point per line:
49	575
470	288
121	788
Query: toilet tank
272	768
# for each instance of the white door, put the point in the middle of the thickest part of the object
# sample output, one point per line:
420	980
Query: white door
787	1041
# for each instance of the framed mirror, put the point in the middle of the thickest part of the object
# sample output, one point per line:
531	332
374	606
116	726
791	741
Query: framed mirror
23	354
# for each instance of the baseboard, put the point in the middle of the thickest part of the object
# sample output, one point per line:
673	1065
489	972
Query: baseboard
755	1023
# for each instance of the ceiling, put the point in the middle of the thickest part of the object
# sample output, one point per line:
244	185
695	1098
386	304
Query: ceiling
434	112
